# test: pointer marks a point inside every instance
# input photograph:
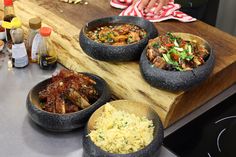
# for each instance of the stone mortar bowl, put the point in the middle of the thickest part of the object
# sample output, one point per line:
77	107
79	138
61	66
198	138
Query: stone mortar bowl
69	121
139	109
177	80
104	52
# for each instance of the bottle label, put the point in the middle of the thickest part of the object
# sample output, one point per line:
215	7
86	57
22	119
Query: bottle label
19	54
35	44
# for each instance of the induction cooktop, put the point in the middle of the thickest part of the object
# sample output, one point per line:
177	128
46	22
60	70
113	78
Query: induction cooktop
213	134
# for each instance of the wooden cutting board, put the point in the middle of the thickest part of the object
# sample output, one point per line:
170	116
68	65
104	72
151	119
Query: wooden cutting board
124	78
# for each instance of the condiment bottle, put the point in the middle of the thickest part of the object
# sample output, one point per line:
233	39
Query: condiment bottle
33	39
46	52
9	14
19	53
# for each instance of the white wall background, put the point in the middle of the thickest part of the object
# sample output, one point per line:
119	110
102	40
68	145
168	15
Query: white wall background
226	19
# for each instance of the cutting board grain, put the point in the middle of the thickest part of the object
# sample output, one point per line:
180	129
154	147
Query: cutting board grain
124	78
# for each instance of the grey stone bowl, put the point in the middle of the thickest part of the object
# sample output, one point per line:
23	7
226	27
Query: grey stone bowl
69	121
177	80
104	52
139	109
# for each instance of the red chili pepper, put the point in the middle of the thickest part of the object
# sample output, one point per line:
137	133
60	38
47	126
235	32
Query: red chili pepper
201	60
169	45
182	43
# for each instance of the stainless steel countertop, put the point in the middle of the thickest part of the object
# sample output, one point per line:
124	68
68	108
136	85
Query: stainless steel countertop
19	136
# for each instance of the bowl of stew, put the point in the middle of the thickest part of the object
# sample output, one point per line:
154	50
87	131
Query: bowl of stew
116	38
176	61
66	100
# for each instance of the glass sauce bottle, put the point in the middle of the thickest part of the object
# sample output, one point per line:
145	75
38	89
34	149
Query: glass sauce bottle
47	57
9	14
35	25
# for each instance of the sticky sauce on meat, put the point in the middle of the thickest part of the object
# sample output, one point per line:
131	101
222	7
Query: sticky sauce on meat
68	92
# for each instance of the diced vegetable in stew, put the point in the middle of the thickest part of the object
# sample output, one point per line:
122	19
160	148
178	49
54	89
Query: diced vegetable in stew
117	35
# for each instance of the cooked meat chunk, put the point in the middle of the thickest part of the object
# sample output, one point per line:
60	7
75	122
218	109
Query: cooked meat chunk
117	35
68	92
133	37
159	62
152	54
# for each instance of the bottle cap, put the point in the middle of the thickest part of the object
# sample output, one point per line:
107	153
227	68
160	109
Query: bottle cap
45	31
8	3
15	23
35	23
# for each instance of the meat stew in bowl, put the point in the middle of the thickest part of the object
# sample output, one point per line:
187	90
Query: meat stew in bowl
117	35
171	52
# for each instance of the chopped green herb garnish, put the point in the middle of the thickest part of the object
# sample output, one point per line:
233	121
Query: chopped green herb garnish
101	137
42	105
149	126
179	68
189	58
156	45
189	48
172	38
169	60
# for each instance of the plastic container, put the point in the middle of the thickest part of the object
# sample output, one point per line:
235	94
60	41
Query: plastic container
19	53
46	52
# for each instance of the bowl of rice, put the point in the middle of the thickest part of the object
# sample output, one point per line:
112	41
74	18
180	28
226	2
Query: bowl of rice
123	128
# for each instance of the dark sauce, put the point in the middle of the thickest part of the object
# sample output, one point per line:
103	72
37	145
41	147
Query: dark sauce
47	62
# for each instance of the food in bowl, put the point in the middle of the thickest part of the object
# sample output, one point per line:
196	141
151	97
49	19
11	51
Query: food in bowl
117	35
117	131
1	45
170	52
2	32
68	92
2	29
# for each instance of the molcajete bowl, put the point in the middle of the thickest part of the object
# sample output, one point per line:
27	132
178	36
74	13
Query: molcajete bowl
177	80
69	121
139	109
116	53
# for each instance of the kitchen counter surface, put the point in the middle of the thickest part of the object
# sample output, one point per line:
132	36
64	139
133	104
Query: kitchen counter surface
67	21
21	137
